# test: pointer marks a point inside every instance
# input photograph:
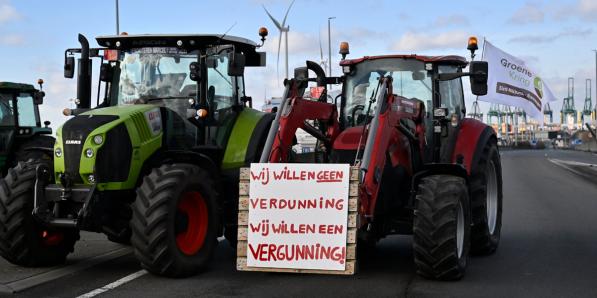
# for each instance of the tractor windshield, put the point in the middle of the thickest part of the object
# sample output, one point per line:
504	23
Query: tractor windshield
410	81
155	73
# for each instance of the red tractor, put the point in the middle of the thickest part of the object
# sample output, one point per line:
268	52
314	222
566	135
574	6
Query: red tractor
425	169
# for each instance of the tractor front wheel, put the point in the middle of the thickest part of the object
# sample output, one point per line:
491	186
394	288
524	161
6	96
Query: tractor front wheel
175	220
441	227
23	240
486	202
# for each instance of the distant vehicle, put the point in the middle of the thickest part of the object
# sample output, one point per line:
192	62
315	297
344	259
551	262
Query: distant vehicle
21	135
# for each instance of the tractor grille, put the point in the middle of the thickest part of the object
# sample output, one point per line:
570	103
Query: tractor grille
141	124
74	134
113	160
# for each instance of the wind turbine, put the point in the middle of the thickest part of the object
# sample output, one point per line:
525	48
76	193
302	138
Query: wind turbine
283	28
322	61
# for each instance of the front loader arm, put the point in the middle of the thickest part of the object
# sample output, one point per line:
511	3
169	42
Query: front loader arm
376	146
294	114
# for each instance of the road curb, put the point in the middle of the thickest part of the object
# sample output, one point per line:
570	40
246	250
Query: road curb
35	280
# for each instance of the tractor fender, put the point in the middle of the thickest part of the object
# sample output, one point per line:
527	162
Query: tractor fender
435	169
438	169
258	138
473	135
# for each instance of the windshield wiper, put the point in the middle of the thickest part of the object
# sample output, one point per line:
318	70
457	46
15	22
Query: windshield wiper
145	100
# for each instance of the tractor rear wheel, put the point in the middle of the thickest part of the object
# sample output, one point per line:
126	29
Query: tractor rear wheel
175	220
486	202
441	227
23	240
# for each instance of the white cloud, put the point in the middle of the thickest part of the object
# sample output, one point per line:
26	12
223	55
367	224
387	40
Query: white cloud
583	9
8	12
11	40
529	13
536	38
412	41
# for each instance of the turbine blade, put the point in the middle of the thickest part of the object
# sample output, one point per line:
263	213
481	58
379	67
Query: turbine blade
320	48
286	15
280	27
278	62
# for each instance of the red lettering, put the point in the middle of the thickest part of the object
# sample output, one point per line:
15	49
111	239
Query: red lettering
321	229
272	252
255	253
263	253
254	202
338	229
272	203
255	229
262	204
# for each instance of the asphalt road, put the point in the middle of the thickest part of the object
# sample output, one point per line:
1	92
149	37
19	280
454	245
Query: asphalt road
548	249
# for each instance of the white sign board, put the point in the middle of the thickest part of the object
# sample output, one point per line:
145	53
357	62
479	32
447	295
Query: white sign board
512	82
298	216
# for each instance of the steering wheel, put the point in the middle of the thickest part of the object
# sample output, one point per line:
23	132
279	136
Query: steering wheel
354	112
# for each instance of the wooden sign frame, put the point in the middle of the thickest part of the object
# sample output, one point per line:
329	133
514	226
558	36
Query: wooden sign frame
351	235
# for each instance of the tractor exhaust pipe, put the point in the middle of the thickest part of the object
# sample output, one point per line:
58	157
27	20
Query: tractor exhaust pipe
84	75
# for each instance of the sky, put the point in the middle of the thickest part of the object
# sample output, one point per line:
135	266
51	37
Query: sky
556	38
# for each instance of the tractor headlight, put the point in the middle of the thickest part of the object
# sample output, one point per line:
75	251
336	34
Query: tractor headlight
58	152
91	178
98	139
89	153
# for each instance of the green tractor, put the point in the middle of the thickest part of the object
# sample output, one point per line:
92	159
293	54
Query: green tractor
21	135
156	162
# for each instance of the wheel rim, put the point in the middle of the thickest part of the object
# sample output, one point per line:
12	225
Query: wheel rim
492	197
192	212
460	229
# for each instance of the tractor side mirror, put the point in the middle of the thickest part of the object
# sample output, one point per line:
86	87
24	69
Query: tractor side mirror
38	97
478	74
69	67
236	64
195	71
106	72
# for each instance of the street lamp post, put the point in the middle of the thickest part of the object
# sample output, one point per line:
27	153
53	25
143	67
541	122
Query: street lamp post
117	19
330	49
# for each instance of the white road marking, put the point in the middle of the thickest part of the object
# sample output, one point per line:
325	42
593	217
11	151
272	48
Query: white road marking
113	285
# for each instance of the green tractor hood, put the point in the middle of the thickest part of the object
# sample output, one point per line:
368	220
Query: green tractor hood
107	146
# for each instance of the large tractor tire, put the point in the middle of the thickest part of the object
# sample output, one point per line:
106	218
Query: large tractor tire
486	201
175	220
23	240
441	227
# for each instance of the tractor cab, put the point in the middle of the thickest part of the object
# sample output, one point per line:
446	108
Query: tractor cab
19	117
197	79
417	89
